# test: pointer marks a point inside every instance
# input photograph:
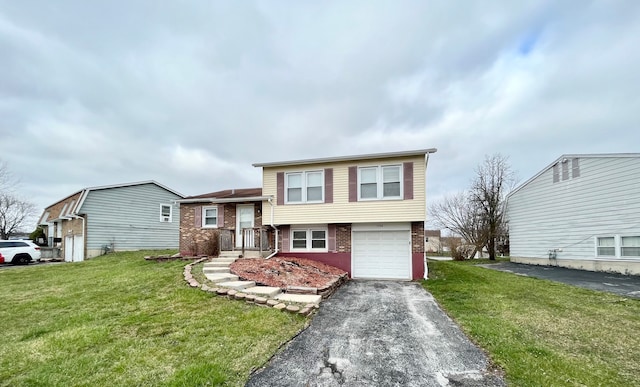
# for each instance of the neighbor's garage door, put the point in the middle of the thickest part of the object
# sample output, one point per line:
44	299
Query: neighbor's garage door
381	254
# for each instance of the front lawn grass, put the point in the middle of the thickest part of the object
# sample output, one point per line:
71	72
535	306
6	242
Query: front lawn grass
542	333
119	320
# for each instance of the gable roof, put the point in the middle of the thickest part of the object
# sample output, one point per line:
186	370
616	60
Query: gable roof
573	156
227	196
77	204
371	156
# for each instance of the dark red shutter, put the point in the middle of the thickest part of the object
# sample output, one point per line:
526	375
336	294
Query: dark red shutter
332	237
220	215
407	174
353	184
197	216
328	185
284	230
280	188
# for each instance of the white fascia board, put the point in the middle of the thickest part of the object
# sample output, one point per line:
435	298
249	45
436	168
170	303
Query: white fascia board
371	156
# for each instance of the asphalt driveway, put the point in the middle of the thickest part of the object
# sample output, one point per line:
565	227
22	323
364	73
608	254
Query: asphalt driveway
379	333
624	285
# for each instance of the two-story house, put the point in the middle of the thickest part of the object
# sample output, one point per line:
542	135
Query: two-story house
581	212
121	217
364	214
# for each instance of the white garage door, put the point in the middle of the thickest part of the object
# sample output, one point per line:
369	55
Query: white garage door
381	254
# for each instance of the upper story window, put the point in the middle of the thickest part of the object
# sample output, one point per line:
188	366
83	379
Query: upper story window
380	182
304	187
210	216
165	213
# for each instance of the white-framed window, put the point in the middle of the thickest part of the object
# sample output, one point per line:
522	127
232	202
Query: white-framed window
380	182
618	246
210	216
166	211
606	246
304	187
309	239
630	246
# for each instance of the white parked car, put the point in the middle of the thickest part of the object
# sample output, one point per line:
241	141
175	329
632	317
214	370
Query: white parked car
18	252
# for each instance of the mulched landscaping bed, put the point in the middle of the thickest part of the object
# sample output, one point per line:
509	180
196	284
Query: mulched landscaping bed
288	272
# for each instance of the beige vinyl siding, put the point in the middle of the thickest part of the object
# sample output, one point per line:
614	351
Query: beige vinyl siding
341	210
603	201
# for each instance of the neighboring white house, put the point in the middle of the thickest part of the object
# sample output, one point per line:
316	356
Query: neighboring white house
582	211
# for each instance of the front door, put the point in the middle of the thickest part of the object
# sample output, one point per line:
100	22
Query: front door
244	224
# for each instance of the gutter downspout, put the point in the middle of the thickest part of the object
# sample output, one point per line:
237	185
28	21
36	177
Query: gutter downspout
426	268
276	251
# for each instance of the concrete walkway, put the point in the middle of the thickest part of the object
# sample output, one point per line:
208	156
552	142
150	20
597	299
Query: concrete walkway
624	285
379	333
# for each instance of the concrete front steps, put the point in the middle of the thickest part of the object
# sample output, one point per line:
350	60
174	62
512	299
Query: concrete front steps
218	272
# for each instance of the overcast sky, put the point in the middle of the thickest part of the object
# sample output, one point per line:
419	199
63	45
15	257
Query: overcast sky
191	93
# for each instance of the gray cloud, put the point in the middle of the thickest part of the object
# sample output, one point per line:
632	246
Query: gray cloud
191	93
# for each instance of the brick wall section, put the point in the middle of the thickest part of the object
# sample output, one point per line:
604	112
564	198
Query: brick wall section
417	237
343	238
193	238
230	215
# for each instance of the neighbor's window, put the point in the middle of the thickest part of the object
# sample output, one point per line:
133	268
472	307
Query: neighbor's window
383	182
165	213
309	240
606	247
209	216
630	246
305	187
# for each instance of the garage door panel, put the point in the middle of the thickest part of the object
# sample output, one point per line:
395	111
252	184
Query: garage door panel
381	254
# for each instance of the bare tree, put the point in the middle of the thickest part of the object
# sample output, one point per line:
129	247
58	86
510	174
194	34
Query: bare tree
14	211
494	179
458	214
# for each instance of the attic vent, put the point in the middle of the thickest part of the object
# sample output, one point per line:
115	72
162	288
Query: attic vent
575	168
564	164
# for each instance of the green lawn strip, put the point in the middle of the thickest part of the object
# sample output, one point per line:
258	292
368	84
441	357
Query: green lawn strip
541	332
120	320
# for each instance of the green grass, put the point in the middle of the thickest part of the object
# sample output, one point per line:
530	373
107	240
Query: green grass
119	320
542	333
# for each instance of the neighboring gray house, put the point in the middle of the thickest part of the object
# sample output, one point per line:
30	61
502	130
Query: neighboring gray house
582	211
122	217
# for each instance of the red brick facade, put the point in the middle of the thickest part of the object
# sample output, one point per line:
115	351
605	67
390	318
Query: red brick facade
417	237
194	239
343	238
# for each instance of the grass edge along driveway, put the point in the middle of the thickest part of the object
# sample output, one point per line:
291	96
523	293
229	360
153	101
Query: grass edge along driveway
120	320
542	332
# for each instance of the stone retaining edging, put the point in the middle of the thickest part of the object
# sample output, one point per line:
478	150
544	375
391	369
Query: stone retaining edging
248	298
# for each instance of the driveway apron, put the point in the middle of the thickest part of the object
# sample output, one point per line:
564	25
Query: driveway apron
620	284
379	333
